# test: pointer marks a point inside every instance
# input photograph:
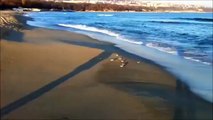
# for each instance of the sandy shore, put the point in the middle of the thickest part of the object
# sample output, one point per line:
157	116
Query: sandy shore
48	74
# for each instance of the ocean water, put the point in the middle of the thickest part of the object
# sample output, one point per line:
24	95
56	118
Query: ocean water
181	42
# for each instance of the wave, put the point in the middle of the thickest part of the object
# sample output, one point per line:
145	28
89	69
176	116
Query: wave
176	22
130	41
103	31
169	22
196	60
199	19
105	15
195	22
92	29
163	49
173	51
197	76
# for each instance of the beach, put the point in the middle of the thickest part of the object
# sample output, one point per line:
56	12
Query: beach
60	75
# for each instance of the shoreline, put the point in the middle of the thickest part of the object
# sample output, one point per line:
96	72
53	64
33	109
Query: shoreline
102	70
109	46
131	55
171	63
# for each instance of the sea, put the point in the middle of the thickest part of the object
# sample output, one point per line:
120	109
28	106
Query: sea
180	42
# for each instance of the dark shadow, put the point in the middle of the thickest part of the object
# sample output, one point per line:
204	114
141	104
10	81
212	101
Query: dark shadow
178	111
12	31
23	20
34	95
184	108
187	105
146	89
16	35
110	48
106	47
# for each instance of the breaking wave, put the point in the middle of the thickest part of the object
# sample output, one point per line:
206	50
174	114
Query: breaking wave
161	48
102	31
92	29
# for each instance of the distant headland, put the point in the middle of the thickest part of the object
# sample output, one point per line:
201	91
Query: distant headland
59	5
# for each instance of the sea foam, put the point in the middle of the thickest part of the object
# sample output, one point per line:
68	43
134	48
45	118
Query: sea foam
92	29
163	49
197	76
103	31
105	15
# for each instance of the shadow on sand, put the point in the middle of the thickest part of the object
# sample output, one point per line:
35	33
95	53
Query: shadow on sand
14	33
186	105
110	48
39	92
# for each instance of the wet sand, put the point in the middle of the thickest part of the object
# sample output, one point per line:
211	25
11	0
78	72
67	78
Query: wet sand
49	74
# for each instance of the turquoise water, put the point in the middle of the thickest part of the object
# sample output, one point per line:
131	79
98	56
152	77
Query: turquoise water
181	42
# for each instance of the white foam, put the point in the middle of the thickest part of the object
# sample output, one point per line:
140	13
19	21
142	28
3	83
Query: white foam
207	63
130	41
196	60
163	49
103	31
190	58
196	75
105	15
92	29
27	15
